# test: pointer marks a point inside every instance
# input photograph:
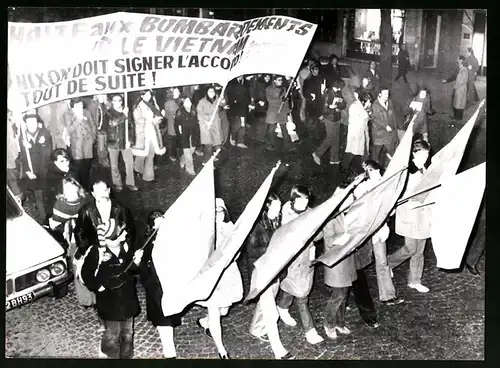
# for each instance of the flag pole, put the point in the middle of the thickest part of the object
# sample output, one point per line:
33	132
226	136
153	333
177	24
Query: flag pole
404	200
288	91
25	143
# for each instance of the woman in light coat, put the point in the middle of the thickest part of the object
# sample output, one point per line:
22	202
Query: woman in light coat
210	128
459	89
358	136
148	139
229	289
300	275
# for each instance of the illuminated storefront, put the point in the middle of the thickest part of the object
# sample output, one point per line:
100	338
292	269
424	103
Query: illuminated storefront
363	33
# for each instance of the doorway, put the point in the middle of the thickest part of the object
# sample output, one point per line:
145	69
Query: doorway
432	31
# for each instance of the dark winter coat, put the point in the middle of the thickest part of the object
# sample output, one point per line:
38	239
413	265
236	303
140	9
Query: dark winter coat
115	123
381	118
116	294
374	78
274	96
334	114
312	85
258	93
238	98
331	74
403	60
53	182
421	124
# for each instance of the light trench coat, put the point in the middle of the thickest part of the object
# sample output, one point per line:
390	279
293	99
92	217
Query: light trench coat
146	131
358	138
460	89
300	275
413	223
209	134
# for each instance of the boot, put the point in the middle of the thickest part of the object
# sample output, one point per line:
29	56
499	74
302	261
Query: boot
188	159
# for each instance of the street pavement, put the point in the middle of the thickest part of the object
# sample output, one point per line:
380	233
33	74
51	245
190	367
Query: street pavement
445	324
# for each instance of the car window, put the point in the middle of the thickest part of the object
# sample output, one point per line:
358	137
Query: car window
12	208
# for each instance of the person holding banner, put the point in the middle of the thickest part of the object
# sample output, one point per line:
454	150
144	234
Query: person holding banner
209	122
148	139
35	144
186	128
298	282
83	133
414	224
264	325
149	279
277	113
229	289
119	130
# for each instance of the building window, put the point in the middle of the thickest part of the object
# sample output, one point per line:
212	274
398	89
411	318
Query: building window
364	33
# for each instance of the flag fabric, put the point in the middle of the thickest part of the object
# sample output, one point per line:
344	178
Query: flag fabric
454	213
186	236
445	163
288	240
205	281
369	212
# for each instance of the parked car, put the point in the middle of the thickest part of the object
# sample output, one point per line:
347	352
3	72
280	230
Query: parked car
36	263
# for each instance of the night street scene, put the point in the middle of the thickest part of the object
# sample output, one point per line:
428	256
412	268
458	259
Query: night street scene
276	184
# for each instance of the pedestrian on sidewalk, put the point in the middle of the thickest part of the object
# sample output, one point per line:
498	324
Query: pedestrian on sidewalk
229	289
384	129
264	325
209	122
459	96
119	139
148	139
333	104
403	63
299	279
105	235
358	136
473	66
412	223
186	126
154	294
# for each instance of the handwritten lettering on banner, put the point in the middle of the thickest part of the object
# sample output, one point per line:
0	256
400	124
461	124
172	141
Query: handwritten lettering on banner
49	62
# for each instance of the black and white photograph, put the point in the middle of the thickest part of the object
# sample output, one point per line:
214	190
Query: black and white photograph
245	183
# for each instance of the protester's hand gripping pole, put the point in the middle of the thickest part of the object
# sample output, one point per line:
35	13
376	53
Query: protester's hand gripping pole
26	145
288	92
216	110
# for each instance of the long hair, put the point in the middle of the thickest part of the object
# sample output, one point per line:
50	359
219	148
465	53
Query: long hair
150	224
70	180
419	145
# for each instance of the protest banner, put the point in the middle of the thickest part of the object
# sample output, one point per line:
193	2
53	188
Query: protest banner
454	214
202	285
120	52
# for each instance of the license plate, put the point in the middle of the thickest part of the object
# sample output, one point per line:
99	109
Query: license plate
20	300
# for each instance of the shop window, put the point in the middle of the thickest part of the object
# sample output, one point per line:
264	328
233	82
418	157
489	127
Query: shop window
364	32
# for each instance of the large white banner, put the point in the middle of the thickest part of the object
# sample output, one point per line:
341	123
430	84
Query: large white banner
49	62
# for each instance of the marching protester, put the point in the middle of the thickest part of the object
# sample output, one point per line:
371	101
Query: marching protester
186	127
264	323
473	66
459	95
373	75
299	279
312	91
304	73
387	293
277	99
238	98
331	71
367	87
35	144
384	129
53	117
209	123
229	289
149	279
97	108
403	63
340	277
258	94
83	133
105	234
333	103
148	139
413	224
13	149
119	132
171	106
420	105
358	135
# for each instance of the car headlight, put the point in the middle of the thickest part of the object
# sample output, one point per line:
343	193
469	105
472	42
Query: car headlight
57	269
43	275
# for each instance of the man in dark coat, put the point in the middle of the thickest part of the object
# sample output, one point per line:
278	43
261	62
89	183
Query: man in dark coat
238	98
313	94
403	63
105	235
384	129
331	71
473	66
